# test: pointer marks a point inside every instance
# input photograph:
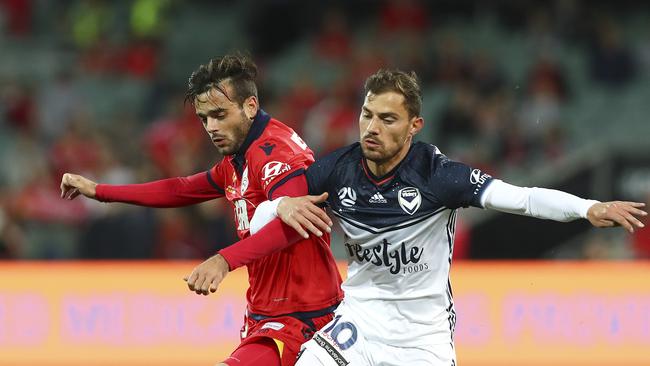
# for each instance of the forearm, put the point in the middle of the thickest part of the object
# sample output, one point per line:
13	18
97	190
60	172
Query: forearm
268	234
172	192
535	202
273	237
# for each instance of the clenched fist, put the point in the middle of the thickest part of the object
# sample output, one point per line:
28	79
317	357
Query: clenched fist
73	185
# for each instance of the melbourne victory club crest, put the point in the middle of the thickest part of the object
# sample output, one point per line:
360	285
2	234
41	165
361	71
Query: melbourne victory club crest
347	196
409	199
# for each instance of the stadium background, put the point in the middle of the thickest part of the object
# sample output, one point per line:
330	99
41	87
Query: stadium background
551	93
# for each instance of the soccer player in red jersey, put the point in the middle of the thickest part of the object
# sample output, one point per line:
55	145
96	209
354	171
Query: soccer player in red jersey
292	292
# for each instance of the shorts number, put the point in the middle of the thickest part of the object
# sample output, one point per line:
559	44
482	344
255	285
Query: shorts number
335	330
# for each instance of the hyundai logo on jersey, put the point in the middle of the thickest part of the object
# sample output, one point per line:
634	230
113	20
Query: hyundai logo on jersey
409	199
272	169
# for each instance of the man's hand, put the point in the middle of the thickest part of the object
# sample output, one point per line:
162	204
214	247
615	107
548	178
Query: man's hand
616	213
208	275
73	185
302	213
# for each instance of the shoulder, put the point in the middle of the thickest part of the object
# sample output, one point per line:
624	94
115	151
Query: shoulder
339	158
423	160
350	152
279	138
277	129
434	173
333	167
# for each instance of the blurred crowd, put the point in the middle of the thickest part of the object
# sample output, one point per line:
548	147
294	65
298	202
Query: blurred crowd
475	110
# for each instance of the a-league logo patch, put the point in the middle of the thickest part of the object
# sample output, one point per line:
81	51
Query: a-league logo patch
347	196
409	199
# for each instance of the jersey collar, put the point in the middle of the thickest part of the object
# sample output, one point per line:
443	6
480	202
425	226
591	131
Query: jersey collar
386	177
258	126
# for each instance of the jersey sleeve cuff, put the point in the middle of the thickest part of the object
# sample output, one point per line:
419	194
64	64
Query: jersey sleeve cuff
100	192
585	205
487	191
231	263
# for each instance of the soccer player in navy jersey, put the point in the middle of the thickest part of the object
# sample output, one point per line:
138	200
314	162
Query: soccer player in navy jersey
396	201
292	292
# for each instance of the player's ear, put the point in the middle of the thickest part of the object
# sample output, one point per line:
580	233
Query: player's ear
416	125
250	107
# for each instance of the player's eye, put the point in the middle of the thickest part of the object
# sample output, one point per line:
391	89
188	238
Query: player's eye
219	116
367	115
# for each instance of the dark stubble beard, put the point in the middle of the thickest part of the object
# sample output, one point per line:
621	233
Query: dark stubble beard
375	158
239	135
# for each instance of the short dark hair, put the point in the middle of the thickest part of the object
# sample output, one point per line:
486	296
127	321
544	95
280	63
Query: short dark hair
397	81
237	68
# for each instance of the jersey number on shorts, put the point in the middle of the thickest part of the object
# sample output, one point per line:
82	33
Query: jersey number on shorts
242	215
337	329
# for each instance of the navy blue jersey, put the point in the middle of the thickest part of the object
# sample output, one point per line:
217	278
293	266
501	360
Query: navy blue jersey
425	181
399	232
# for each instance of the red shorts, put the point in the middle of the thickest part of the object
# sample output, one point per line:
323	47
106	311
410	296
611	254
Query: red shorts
288	332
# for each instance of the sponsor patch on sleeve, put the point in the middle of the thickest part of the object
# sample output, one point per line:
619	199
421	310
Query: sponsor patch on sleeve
273	169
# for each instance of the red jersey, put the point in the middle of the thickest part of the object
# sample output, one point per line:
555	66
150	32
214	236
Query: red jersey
300	278
304	276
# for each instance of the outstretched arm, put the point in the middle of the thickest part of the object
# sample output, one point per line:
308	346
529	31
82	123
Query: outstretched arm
560	206
172	192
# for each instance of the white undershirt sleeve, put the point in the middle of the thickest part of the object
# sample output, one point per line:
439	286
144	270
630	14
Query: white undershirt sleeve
536	202
264	213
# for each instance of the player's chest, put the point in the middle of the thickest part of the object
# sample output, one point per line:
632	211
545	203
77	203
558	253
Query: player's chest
392	201
238	186
244	193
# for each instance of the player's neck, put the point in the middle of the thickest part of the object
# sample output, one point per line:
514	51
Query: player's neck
381	168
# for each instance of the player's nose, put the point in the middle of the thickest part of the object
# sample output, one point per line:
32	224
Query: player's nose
212	125
373	127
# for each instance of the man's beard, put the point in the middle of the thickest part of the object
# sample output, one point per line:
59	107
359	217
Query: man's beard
374	156
239	135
